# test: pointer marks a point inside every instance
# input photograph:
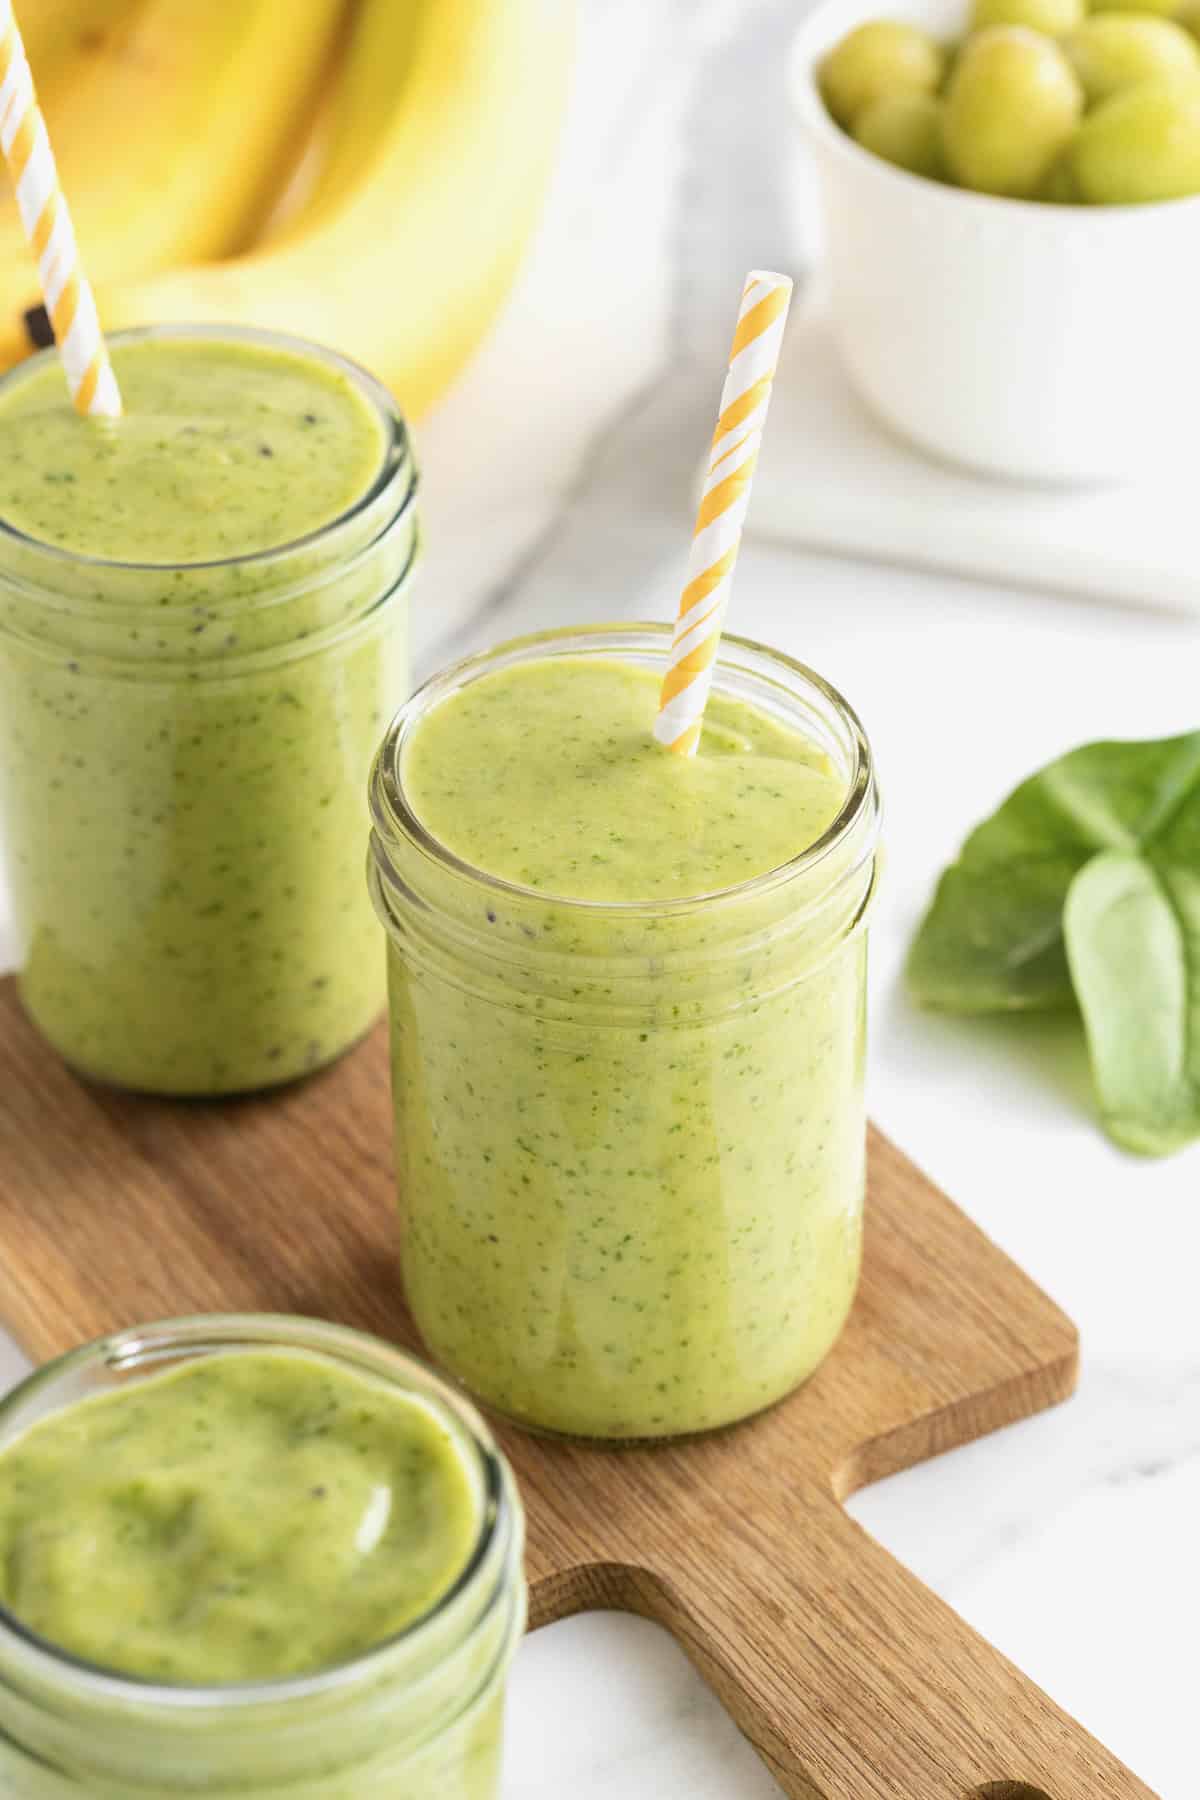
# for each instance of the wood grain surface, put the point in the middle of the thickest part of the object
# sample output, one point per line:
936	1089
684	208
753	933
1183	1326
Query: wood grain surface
852	1681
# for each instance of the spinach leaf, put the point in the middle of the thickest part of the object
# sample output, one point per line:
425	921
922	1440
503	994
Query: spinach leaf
1084	888
1133	940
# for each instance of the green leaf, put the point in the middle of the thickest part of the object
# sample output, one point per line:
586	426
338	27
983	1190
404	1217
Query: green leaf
1085	887
992	940
1132	925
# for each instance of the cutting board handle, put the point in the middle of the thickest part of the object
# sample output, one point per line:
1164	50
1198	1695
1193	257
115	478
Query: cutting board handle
850	1678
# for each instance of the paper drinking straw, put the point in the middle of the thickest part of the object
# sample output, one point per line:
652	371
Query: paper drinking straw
48	227
731	464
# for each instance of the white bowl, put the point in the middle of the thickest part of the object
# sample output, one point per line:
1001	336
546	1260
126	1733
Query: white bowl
1048	343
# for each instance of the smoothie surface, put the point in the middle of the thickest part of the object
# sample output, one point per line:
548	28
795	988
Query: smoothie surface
546	774
224	449
243	1516
630	1161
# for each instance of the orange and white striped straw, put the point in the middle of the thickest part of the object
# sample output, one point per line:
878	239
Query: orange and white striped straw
732	460
47	223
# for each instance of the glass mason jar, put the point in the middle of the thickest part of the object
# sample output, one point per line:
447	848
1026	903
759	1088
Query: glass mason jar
417	1718
630	1137
183	753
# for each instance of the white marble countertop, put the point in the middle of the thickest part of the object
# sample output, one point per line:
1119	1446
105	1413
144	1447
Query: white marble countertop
557	484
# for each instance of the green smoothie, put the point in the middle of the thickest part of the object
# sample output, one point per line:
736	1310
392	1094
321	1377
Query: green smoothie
224	449
284	1566
237	1518
627	1026
201	633
547	776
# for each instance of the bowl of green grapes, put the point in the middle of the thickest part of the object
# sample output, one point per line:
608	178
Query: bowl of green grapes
1010	201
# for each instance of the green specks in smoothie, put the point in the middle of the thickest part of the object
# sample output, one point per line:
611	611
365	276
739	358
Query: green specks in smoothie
216	454
630	1156
178	900
516	776
246	1515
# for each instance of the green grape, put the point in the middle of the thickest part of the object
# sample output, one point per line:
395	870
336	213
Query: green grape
1012	107
905	129
1060	187
1117	50
950	55
1052	17
1162	9
881	57
1140	145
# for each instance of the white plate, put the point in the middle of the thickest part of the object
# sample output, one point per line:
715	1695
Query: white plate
832	478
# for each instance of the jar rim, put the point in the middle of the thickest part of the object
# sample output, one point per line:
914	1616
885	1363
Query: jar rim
397	450
209	1333
393	812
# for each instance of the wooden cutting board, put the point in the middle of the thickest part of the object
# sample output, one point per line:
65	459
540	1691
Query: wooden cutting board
852	1681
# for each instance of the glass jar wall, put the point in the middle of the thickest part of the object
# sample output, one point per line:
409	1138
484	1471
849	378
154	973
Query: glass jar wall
419	1717
184	744
630	1137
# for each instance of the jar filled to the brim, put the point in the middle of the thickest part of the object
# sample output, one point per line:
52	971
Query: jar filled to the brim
416	1716
185	729
630	1134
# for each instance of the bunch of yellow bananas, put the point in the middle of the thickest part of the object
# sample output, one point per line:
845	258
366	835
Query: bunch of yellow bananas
363	172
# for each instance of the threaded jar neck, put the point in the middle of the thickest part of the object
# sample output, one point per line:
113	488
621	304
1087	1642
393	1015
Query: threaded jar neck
614	961
206	617
378	1710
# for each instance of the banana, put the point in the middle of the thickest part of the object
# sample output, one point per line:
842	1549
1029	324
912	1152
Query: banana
360	105
61	38
169	140
446	121
58	33
315	144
